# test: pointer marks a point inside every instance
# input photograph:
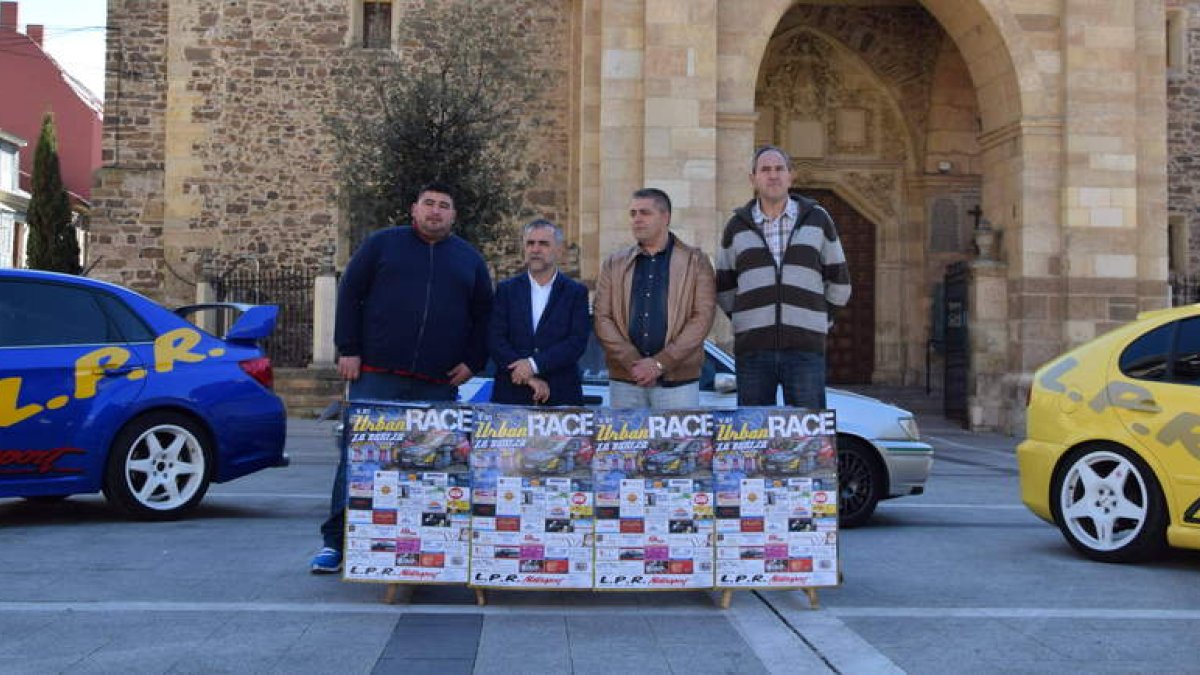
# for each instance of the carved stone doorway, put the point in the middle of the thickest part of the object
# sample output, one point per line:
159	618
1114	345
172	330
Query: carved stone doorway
850	348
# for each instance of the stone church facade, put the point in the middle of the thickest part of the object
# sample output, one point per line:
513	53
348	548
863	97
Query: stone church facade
928	127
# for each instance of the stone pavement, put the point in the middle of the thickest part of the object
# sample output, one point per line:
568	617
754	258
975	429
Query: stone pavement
228	590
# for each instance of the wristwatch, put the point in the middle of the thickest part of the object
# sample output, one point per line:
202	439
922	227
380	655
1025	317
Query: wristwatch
658	365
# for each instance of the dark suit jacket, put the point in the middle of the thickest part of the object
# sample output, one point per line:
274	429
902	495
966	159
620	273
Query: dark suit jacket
561	337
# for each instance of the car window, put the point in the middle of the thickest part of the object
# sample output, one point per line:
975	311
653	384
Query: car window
592	368
1146	357
1186	366
35	313
708	373
129	325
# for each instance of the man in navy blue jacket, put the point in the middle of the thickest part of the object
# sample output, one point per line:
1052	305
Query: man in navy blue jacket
539	327
411	325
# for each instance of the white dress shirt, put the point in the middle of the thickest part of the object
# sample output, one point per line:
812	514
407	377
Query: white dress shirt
539	295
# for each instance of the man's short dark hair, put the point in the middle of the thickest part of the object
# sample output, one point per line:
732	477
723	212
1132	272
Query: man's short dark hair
787	159
661	200
438	186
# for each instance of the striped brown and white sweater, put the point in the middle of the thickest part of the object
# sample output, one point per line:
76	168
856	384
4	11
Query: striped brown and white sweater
787	306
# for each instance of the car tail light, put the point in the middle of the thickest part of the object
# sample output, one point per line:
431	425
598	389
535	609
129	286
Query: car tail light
260	370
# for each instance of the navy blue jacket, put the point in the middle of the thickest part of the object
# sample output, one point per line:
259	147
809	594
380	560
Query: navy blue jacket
559	342
407	305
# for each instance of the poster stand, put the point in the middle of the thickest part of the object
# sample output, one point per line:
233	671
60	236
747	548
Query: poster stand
756	491
395	593
810	592
403	592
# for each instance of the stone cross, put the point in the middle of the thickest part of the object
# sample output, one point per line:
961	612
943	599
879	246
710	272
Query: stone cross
977	213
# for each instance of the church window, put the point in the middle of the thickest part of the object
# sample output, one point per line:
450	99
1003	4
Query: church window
376	24
1177	244
944	231
1177	42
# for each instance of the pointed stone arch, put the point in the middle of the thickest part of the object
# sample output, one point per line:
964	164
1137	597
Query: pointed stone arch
1016	101
814	72
819	41
986	32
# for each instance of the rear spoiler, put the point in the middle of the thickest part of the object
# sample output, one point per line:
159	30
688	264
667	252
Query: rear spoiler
254	322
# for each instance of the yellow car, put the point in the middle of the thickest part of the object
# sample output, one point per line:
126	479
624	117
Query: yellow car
1112	448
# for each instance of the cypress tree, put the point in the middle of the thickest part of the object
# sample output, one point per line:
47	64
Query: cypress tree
52	243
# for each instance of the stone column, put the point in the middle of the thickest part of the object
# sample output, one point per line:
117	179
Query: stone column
187	124
1101	144
1153	263
680	122
589	137
324	308
206	292
987	304
658	94
622	116
735	145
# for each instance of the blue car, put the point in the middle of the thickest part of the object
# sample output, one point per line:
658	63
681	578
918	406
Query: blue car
102	389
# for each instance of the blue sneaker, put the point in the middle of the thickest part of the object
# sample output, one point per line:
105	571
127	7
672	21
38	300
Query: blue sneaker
327	561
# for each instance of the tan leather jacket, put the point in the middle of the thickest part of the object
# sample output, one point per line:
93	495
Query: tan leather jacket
691	302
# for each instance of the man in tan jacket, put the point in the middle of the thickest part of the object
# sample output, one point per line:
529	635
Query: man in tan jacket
654	306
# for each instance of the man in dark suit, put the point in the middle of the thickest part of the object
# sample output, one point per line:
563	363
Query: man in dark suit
539	327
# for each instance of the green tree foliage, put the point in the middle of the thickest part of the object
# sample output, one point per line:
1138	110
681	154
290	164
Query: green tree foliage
52	243
456	109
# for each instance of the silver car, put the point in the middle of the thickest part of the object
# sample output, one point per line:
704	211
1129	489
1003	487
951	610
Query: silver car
880	452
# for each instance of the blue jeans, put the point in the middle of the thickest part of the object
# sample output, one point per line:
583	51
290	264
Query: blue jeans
802	375
377	387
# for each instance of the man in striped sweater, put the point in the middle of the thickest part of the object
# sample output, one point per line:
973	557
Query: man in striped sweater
781	273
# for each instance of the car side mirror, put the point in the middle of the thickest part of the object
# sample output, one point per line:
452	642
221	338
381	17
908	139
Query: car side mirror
725	383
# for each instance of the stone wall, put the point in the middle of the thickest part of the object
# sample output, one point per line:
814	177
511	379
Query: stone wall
127	200
217	142
1183	134
1051	111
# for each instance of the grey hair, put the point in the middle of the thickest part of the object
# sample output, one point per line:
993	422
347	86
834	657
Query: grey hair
660	198
540	223
787	159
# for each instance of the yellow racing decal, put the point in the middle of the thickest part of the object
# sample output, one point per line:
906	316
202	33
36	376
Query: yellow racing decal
172	347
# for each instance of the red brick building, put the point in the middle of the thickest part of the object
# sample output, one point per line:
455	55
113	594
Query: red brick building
32	83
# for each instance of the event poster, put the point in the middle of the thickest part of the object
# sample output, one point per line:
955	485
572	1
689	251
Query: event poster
654	503
408	513
776	498
532	516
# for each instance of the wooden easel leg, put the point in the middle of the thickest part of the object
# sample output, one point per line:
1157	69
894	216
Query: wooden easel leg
726	598
480	597
398	593
813	601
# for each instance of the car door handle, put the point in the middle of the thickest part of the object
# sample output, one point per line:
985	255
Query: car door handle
118	371
1147	405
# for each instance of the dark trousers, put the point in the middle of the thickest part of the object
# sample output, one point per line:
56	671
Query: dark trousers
801	374
378	387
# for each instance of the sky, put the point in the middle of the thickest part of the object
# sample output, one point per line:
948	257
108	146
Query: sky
74	35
